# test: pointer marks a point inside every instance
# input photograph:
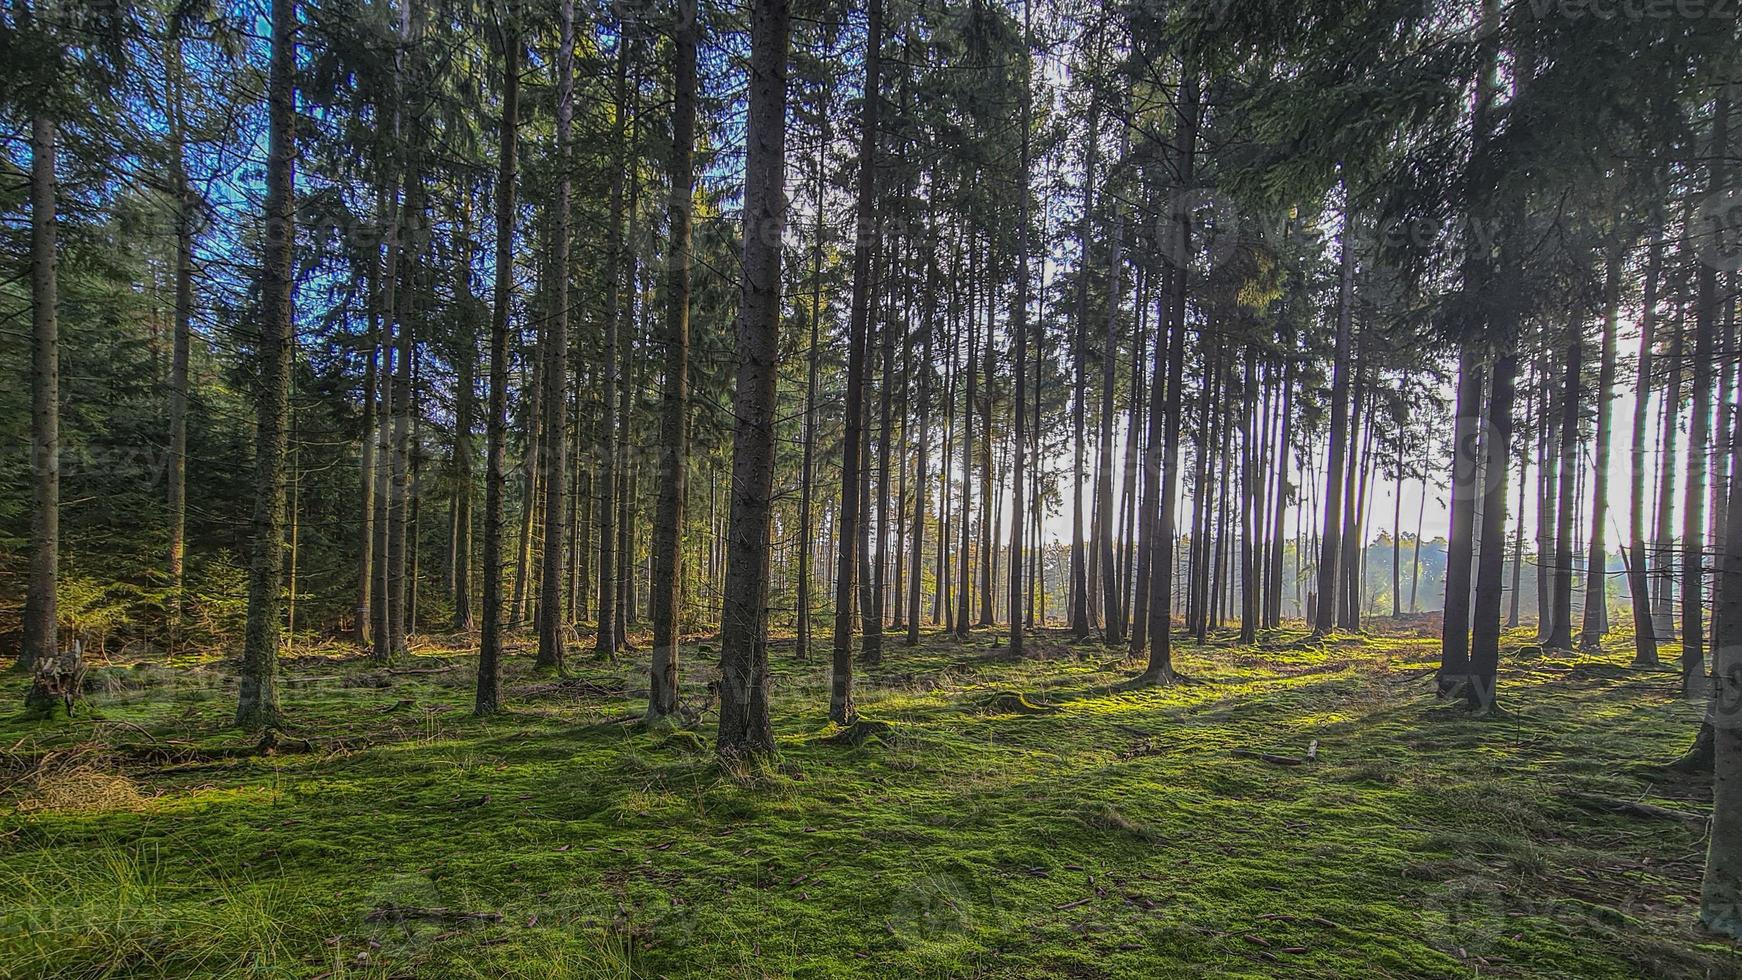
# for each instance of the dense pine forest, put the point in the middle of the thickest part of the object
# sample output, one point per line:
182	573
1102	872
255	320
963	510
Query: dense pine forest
985	488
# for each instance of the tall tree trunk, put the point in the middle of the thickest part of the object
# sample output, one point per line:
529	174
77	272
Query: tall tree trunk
964	581
745	729
185	202
1160	667
382	648
1663	538
554	449
489	691
1354	502
618	303
674	396
928	324
1638	584
1284	491
1561	636
1597	568
257	704
399	544
1721	889
41	613
988	491
1548	496
885	440
1079	610
801	646
1461	543
1479	691
1112	612
528	488
466	404
1149	502
1339	432
1248	503
841	708
1706	314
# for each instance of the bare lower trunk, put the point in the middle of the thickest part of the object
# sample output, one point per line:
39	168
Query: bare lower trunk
674	399
1561	636
745	729
1597	569
841	707
489	690
554	449
257	705
41	614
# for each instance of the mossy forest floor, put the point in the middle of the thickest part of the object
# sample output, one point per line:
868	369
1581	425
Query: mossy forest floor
1099	831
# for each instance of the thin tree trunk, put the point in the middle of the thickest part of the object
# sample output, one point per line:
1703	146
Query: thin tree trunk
1160	667
1561	636
674	396
801	646
257	704
489	690
41	613
1706	314
618	302
1721	888
1112	612
1664	544
928	325
1339	433
841	708
552	627
1638	584
1597	567
185	202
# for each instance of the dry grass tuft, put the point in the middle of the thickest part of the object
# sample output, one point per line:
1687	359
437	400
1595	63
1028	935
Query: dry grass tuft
82	789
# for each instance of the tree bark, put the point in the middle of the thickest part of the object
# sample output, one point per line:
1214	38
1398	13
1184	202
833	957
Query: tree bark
1597	568
185	202
552	626
1706	313
1331	543
257	705
1638	583
1561	636
1160	666
489	691
801	646
841	707
607	638
745	729
674	396
41	613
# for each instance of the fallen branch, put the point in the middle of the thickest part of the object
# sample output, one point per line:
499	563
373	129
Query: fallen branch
1634	808
1312	755
402	913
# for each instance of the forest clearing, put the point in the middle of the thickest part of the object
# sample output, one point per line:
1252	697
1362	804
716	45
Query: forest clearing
1042	817
841	488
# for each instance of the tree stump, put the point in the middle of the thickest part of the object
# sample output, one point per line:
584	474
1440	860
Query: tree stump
57	679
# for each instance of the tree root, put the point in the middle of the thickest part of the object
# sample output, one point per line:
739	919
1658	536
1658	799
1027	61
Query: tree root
859	732
1014	703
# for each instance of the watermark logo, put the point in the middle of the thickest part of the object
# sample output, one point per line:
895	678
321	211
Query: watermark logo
931	909
1717	228
1478	458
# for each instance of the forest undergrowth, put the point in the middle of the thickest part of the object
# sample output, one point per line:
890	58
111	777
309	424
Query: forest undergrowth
1302	809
